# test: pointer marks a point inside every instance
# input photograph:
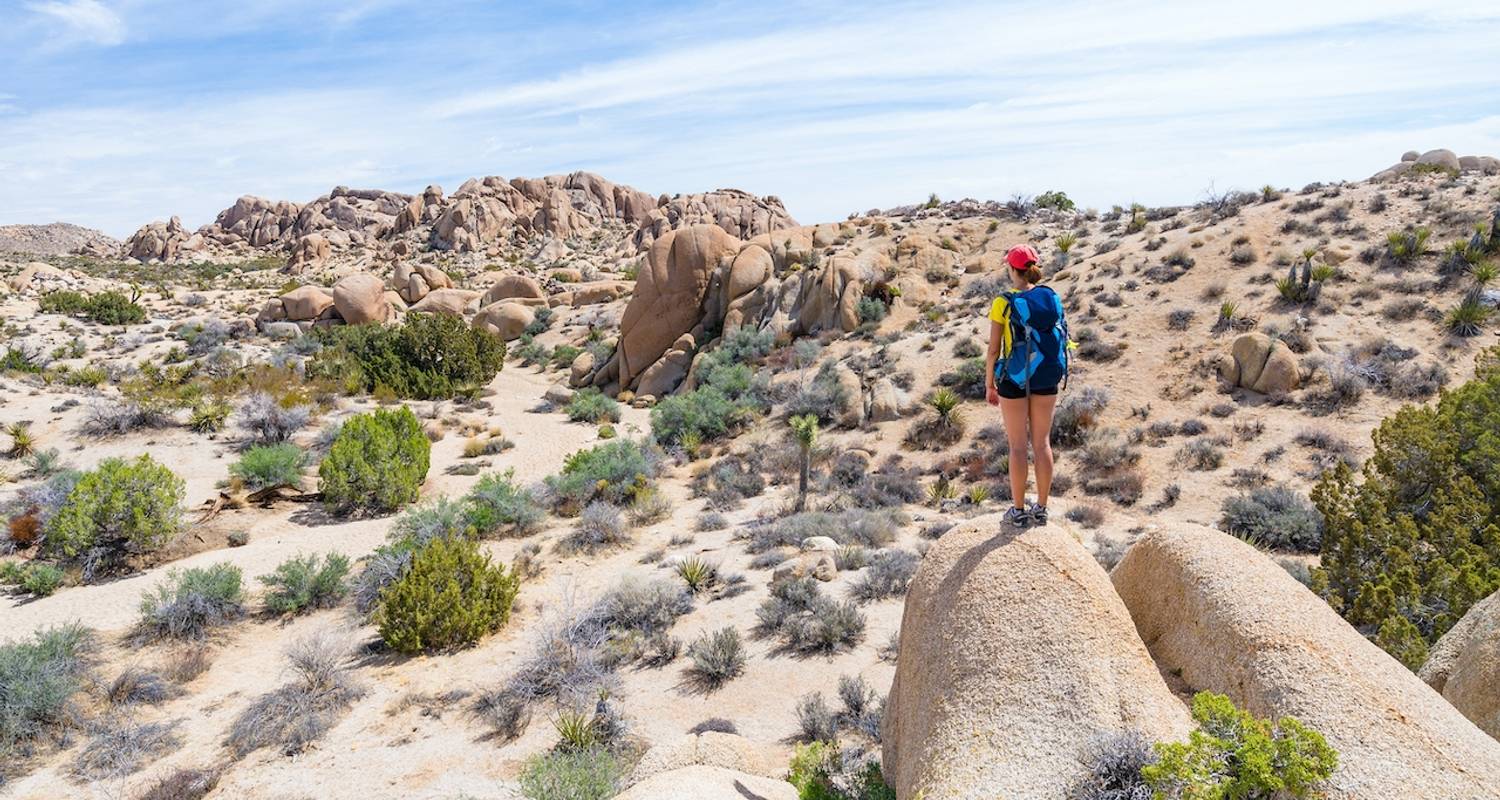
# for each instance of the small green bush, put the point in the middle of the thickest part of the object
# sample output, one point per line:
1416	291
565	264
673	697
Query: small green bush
612	472
105	308
41	580
496	503
592	774
377	462
1234	755
450	597
820	771
192	601
38	679
265	466
118	509
430	356
591	405
302	583
718	657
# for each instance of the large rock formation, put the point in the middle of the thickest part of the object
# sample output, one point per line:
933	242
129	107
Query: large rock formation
1465	665
1440	159
161	241
1016	656
55	239
1217	612
740	214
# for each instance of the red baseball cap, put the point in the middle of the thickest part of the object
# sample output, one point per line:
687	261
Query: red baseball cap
1021	256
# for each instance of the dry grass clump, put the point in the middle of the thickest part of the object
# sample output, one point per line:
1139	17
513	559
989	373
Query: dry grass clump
299	713
120	747
183	784
807	621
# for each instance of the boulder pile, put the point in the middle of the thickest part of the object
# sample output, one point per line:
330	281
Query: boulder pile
1261	364
1441	160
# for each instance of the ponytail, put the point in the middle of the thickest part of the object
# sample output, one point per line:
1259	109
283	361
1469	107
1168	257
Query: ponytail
1033	273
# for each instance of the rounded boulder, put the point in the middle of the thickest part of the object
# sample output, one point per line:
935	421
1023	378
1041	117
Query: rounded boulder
1225	618
1016	657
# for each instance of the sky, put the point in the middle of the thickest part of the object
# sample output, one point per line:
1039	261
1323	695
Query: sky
114	113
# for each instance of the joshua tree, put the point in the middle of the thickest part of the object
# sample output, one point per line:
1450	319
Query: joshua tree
805	429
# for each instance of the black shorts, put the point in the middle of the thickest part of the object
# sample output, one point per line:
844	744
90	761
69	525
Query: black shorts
1010	390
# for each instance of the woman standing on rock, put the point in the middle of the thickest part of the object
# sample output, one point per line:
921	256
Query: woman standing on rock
1027	362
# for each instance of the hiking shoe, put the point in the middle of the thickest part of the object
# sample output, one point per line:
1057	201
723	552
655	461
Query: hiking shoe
1018	517
1038	514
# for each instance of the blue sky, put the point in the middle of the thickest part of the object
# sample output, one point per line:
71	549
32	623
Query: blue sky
117	112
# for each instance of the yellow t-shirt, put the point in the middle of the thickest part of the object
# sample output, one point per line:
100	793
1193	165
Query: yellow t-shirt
1000	313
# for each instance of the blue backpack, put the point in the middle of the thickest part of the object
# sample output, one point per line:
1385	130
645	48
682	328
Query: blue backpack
1038	340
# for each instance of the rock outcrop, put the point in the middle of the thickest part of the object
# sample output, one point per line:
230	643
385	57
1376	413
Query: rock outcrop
1440	159
159	241
1015	656
1261	364
1224	617
712	749
506	320
1464	665
360	298
56	239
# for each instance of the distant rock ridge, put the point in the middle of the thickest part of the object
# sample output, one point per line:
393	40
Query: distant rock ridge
55	239
1440	160
480	215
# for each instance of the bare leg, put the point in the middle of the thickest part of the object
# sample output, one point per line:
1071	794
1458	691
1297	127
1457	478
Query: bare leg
1041	407
1014	413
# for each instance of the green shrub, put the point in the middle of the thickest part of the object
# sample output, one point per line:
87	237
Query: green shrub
718	657
430	356
377	462
1055	200
118	509
41	580
592	405
1418	537
38	679
612	472
728	396
870	310
106	308
592	774
190	602
450	597
1234	755
820	771
113	308
264	466
1275	517
302	583
496	503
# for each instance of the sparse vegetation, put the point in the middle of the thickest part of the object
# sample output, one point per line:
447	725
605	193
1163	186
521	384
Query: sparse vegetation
1275	517
299	713
267	466
38	680
718	657
593	406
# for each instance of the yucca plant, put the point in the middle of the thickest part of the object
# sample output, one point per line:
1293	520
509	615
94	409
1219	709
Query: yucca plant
805	431
1065	241
1406	246
940	490
1484	273
576	731
698	574
22	441
1469	317
978	494
944	403
209	416
1323	272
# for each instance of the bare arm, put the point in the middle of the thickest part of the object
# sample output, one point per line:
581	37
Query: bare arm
989	363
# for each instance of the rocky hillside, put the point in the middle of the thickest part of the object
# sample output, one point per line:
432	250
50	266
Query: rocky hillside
549	483
55	239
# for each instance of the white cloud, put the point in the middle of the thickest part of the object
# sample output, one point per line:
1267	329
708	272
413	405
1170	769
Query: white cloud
1131	101
81	21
